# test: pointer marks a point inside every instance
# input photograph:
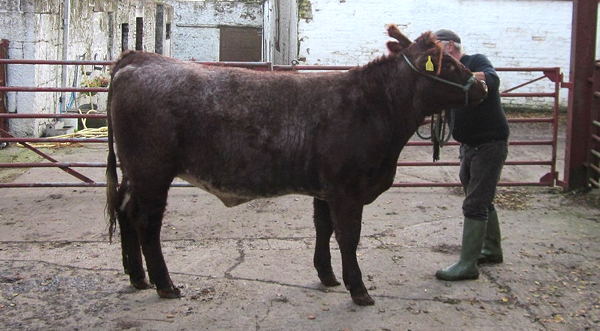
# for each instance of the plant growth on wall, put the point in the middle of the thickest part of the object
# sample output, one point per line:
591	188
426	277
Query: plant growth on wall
305	10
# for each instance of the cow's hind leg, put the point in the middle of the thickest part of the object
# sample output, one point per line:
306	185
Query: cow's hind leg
324	229
151	200
130	244
347	216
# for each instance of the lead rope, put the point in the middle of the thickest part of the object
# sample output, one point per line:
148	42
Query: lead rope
441	127
441	130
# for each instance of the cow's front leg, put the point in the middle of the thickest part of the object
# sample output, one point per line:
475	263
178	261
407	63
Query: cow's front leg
324	229
347	216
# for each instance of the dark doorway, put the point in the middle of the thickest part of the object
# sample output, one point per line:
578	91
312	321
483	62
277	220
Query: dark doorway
124	37
139	33
240	44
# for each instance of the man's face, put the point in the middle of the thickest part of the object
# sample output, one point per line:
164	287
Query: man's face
450	49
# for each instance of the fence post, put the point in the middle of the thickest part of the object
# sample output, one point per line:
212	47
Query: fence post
583	48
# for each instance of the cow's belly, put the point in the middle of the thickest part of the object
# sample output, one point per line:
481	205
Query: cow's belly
228	197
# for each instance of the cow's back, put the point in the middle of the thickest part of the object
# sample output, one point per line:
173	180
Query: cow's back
241	134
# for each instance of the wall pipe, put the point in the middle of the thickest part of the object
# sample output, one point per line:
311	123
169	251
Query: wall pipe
65	52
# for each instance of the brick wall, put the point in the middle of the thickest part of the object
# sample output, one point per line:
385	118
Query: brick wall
512	33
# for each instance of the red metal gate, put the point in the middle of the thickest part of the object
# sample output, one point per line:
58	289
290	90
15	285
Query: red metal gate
548	179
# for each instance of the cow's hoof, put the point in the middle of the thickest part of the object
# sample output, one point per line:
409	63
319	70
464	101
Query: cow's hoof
140	284
363	300
171	293
329	281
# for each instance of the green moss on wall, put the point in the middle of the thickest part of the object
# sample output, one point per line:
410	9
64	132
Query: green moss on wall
305	10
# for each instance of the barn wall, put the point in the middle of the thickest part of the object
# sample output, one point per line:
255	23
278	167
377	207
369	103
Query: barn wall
196	25
281	29
34	29
512	33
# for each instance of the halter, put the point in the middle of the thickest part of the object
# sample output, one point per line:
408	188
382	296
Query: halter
465	88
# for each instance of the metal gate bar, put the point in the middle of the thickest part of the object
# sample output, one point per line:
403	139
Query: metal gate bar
51	159
548	179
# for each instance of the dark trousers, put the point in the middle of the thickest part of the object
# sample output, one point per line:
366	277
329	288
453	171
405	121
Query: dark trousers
480	168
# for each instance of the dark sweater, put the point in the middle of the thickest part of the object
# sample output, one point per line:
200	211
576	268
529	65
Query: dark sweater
485	122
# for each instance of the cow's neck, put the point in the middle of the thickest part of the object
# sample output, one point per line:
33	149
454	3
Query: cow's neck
391	87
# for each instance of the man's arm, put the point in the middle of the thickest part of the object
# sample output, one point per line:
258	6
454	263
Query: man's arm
483	70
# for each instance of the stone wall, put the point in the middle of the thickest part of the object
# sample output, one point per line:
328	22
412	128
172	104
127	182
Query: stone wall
21	23
35	31
196	25
281	31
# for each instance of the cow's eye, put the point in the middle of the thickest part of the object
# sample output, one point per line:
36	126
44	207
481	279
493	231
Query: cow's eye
450	67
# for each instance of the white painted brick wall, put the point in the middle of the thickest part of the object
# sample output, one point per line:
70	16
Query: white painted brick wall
511	33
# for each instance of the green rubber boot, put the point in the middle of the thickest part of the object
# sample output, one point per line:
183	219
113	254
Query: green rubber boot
492	249
472	241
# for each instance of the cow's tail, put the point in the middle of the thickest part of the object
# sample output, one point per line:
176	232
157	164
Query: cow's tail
112	196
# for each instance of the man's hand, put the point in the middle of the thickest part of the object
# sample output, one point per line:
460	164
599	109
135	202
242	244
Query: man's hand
479	75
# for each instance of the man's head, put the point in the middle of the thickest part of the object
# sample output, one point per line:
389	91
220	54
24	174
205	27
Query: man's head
451	42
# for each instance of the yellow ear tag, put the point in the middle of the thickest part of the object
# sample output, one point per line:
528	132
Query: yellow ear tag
429	64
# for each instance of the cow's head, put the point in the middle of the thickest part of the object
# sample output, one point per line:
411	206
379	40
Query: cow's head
440	80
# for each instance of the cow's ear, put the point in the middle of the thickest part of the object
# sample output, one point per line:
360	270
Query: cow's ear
394	47
426	41
395	33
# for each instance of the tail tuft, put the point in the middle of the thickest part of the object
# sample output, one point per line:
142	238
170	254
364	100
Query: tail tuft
112	183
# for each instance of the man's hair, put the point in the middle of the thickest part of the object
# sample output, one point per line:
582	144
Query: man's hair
457	45
446	36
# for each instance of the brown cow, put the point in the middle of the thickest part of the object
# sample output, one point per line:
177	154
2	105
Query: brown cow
241	134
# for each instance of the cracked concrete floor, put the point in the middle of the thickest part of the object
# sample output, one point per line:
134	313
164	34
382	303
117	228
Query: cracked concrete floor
250	267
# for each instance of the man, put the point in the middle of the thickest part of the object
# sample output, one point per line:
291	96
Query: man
483	133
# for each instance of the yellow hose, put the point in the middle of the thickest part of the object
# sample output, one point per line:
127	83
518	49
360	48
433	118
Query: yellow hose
85	133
